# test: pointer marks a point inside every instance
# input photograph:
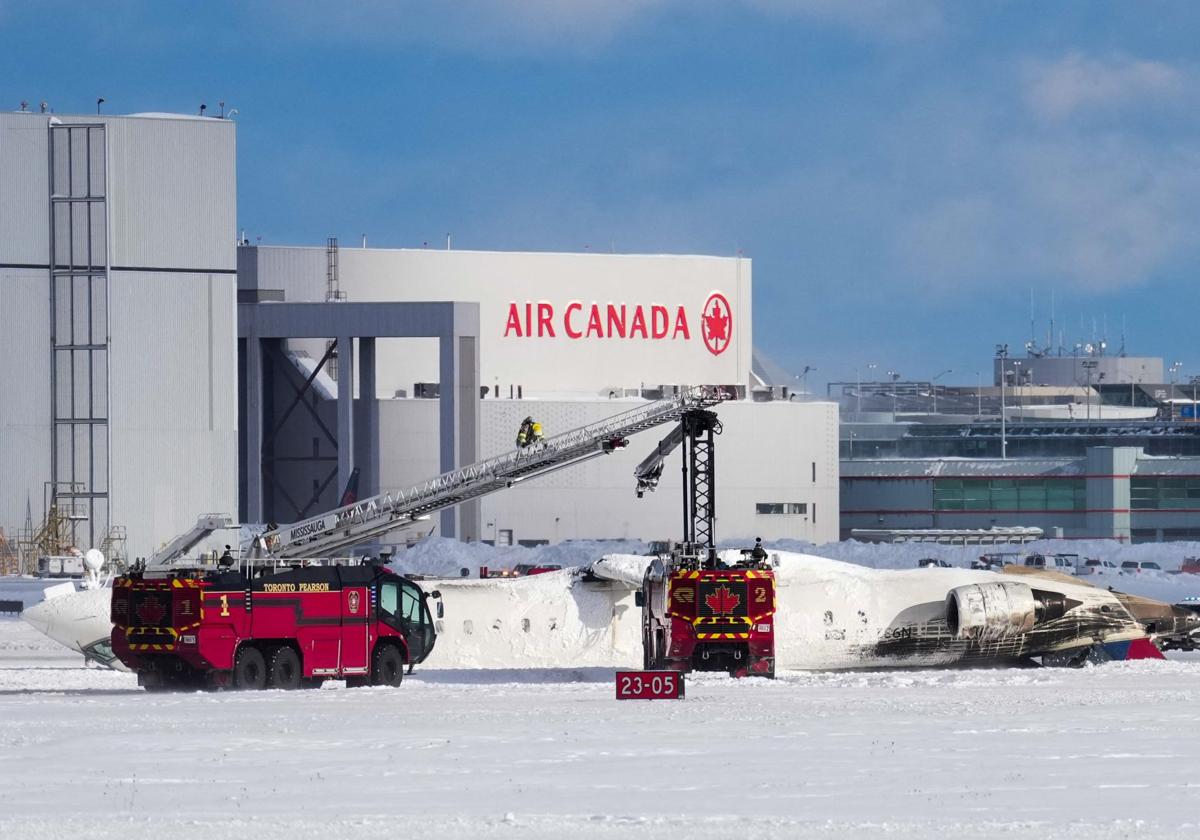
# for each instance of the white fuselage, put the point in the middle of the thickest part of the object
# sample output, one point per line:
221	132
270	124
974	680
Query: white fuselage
830	615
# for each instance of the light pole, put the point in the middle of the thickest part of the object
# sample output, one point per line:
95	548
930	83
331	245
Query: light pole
1002	355
852	436
1018	372
933	386
1174	370
1195	414
893	375
858	389
1089	365
979	393
804	378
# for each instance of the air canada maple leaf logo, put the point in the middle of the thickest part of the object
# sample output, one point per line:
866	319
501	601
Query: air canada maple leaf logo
716	323
722	600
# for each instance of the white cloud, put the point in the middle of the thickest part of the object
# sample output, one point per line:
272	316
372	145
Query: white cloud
1077	82
501	27
880	18
483	26
1110	213
1097	214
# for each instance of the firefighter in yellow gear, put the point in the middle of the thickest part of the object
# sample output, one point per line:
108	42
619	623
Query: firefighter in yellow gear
529	433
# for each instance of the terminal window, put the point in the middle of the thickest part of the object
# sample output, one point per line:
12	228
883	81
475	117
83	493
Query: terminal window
1163	493
1010	494
781	508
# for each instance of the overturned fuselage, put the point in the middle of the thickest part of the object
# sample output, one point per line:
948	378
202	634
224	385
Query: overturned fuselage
830	615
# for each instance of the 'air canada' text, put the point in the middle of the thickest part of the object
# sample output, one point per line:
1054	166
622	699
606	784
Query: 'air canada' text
596	320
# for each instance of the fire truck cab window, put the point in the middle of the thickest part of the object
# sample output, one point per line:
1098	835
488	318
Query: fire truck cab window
403	601
388	598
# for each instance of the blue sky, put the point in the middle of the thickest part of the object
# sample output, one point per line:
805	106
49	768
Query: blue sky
902	174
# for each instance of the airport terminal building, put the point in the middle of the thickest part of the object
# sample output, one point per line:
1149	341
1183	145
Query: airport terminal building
1093	447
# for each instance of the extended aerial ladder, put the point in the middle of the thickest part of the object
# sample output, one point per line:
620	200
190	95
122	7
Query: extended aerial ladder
338	530
369	519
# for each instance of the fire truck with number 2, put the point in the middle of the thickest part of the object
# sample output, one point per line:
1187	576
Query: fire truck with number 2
697	612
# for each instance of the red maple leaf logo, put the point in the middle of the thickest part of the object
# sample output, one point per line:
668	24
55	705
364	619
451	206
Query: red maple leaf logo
151	610
722	601
715	322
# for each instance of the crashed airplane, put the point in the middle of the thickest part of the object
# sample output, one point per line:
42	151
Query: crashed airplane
830	615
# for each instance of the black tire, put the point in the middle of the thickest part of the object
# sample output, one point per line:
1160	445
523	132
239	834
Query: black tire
250	669
387	666
285	671
647	652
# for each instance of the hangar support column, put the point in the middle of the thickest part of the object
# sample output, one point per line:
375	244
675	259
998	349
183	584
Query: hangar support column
455	325
345	411
253	434
459	422
367	443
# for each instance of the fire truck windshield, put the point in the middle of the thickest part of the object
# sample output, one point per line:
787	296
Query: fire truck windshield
402	602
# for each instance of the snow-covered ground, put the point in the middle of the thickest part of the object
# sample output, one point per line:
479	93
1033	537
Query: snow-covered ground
546	751
1098	752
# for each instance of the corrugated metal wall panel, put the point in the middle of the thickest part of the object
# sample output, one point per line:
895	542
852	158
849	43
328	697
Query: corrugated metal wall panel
173	438
173	201
24	202
302	272
174	402
24	392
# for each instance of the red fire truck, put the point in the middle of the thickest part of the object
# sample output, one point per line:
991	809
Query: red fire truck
277	626
708	618
698	612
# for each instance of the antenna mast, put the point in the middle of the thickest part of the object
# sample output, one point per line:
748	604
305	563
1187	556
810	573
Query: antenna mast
1050	343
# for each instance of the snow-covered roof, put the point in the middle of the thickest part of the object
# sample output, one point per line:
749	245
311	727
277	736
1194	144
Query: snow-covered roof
960	467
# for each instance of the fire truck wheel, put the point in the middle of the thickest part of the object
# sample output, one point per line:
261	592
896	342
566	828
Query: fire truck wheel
284	670
250	669
387	666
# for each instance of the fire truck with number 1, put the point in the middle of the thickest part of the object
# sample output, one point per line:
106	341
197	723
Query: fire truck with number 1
282	625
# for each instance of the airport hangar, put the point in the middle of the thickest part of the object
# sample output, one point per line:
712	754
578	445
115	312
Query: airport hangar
127	300
567	339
